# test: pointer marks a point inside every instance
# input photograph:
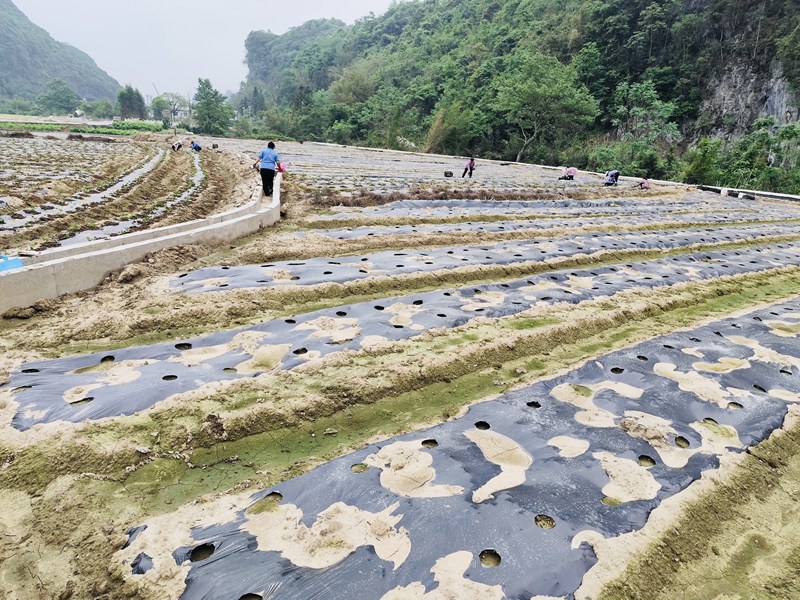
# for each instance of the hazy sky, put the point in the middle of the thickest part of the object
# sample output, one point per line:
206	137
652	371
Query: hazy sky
169	44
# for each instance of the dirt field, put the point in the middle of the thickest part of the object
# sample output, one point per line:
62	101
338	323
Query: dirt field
195	394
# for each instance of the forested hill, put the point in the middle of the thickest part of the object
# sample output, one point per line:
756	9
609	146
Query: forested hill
531	78
30	58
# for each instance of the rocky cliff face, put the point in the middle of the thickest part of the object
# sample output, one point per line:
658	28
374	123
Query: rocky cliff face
739	95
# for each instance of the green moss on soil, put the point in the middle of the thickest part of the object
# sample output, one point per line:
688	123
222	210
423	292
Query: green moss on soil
737	541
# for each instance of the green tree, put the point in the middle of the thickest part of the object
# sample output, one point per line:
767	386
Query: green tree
168	105
703	163
451	129
357	82
640	114
257	102
57	99
212	113
542	98
131	103
17	106
100	109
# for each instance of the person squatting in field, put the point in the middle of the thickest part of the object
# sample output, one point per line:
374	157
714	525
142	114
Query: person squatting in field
569	173
611	177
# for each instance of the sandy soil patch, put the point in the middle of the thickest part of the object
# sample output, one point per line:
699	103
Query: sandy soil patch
629	481
784	328
485	299
512	459
167	532
406	470
693	352
264	358
723	365
764	354
660	434
582	396
337	532
706	389
337	330
403	314
582	283
569	447
448	572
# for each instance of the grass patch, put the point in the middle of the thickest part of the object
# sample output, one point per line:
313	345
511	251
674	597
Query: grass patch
736	541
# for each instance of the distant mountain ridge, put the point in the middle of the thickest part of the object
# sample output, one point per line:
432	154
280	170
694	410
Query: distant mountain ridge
30	57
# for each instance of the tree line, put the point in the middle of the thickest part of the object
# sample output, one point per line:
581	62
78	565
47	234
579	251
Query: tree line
594	83
211	112
597	84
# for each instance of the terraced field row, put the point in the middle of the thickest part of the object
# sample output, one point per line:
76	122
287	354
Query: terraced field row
57	192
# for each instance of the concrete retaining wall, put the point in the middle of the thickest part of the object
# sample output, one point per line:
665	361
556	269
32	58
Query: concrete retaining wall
737	192
81	267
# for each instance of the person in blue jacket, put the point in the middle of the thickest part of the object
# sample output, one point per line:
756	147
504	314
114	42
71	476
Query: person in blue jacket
267	162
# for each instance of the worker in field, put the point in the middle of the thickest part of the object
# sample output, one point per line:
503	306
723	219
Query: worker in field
469	167
611	177
267	163
569	174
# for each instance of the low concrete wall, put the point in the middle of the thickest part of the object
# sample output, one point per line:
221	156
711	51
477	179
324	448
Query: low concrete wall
81	267
736	192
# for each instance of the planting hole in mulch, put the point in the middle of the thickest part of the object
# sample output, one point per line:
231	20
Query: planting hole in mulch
490	558
82	401
429	443
647	461
201	552
359	468
544	521
482	425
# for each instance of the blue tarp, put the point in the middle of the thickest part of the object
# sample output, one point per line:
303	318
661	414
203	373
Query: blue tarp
7	263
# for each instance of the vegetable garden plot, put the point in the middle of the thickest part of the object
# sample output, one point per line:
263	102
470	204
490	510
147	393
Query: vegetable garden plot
351	268
690	202
36	171
505	501
128	380
341	169
538	224
126	225
81	199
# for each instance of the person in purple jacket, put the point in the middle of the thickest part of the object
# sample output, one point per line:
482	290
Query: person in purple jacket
267	163
469	167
